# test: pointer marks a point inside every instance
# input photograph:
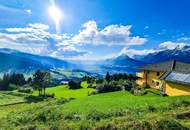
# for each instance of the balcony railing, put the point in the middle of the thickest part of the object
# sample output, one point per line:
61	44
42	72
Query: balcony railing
141	82
140	74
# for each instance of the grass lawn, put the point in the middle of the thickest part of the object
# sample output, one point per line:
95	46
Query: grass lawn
119	100
102	111
7	98
63	91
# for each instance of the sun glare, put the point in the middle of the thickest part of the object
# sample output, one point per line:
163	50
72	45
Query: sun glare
56	15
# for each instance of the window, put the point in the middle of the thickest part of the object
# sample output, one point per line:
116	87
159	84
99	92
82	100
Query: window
157	83
158	73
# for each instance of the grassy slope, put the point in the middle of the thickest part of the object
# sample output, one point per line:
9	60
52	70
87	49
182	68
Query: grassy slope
118	100
6	98
103	103
64	91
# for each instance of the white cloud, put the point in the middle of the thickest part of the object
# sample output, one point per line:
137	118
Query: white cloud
68	52
172	45
146	27
132	52
36	39
184	39
110	35
31	28
28	11
162	46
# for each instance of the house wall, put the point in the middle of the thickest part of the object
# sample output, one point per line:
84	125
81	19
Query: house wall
149	78
153	79
173	89
141	78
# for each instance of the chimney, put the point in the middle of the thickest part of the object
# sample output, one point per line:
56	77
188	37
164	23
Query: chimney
173	64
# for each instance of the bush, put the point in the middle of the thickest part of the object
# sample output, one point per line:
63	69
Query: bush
127	86
151	108
72	116
74	84
99	80
107	126
62	101
52	95
179	103
140	92
95	115
92	93
109	87
12	87
32	98
25	90
169	125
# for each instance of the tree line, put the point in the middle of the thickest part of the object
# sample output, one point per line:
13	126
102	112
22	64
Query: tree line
39	81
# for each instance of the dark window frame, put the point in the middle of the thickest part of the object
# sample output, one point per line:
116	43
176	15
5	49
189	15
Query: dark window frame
158	73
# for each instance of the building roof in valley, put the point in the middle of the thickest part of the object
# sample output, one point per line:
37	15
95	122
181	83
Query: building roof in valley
169	66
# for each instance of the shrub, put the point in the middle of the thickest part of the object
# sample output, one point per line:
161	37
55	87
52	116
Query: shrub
12	87
63	100
72	116
109	87
180	103
92	93
99	80
52	95
184	115
169	125
151	108
95	115
108	126
74	84
138	91
127	86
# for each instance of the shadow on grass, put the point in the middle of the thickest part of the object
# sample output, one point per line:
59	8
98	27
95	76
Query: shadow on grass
35	99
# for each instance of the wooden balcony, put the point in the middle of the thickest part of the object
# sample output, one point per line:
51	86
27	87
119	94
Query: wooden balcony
141	82
140	74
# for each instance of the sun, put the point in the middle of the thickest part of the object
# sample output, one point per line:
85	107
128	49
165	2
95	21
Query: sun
55	13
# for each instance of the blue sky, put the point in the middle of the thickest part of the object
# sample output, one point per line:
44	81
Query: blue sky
94	29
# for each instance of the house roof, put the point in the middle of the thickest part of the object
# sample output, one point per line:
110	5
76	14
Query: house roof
176	77
174	71
169	66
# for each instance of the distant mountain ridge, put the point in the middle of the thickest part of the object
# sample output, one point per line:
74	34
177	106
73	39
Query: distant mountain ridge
122	63
123	60
126	64
179	53
16	60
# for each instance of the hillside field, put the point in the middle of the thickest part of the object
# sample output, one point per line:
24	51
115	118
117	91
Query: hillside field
115	110
63	91
10	98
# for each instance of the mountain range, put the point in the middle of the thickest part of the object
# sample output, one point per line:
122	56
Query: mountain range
16	61
12	60
179	53
20	62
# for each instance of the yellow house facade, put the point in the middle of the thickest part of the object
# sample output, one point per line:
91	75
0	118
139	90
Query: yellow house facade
171	78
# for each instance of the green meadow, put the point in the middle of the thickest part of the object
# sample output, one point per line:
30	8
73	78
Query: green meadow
114	110
9	98
63	91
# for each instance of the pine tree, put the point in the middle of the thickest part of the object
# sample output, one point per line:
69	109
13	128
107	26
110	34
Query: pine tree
108	77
